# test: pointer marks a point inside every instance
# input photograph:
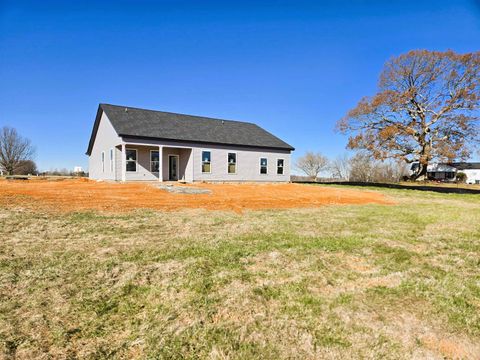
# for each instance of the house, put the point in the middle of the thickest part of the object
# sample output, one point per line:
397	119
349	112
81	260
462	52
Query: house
448	171
137	144
441	172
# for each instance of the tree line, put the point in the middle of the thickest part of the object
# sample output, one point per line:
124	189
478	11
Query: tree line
359	167
17	153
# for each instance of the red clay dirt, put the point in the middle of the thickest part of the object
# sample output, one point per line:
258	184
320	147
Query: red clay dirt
82	194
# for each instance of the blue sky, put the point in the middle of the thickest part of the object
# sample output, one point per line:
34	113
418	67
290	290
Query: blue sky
293	67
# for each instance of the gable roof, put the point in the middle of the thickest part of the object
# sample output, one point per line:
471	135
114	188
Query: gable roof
141	123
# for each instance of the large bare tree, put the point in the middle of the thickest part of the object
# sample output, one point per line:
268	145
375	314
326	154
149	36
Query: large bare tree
312	164
426	109
14	150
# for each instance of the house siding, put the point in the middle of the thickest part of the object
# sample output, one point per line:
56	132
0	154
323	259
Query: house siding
248	162
248	165
473	175
143	164
105	140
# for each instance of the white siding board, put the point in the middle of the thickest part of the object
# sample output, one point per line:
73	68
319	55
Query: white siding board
105	140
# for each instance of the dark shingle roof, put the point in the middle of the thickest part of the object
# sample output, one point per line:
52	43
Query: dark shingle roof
134	122
465	165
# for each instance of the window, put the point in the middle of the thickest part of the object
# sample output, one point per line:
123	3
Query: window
263	165
280	166
154	160
103	161
232	163
206	166
111	160
131	155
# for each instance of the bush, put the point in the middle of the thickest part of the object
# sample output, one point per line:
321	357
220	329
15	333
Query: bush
461	177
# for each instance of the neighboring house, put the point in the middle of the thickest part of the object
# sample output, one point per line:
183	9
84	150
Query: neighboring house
77	169
472	170
448	171
441	172
136	144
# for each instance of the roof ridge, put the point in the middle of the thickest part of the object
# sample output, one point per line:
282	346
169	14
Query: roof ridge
182	114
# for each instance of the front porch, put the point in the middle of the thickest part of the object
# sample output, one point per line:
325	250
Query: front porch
154	162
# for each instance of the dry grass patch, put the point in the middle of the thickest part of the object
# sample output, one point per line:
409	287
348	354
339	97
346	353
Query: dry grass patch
369	281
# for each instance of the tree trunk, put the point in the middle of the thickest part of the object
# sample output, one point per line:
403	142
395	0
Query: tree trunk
9	169
421	174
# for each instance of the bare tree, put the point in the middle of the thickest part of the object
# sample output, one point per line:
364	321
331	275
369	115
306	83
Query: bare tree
426	109
340	167
312	164
14	149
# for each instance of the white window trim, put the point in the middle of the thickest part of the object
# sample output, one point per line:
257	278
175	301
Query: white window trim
102	157
112	160
236	162
155	172
136	160
178	166
283	167
201	162
260	166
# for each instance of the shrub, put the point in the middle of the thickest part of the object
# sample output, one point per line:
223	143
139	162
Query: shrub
461	177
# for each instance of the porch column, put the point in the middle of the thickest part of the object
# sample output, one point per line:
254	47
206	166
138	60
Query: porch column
160	163
191	166
124	163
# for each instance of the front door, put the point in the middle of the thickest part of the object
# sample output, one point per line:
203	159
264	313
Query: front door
172	167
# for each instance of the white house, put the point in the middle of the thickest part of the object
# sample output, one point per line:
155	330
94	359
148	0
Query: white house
137	144
448	171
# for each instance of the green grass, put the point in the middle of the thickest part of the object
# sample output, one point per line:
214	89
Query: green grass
371	281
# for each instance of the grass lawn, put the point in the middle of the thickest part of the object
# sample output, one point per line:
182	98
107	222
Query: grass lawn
350	281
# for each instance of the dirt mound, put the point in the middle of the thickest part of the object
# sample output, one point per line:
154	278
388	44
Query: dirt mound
74	195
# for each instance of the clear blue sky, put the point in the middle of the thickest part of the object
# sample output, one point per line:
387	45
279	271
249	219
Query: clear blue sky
293	67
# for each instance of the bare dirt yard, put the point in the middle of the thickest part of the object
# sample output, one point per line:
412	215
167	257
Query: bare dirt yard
82	194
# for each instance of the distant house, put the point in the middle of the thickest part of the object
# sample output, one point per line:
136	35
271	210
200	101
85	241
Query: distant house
77	169
448	171
136	144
